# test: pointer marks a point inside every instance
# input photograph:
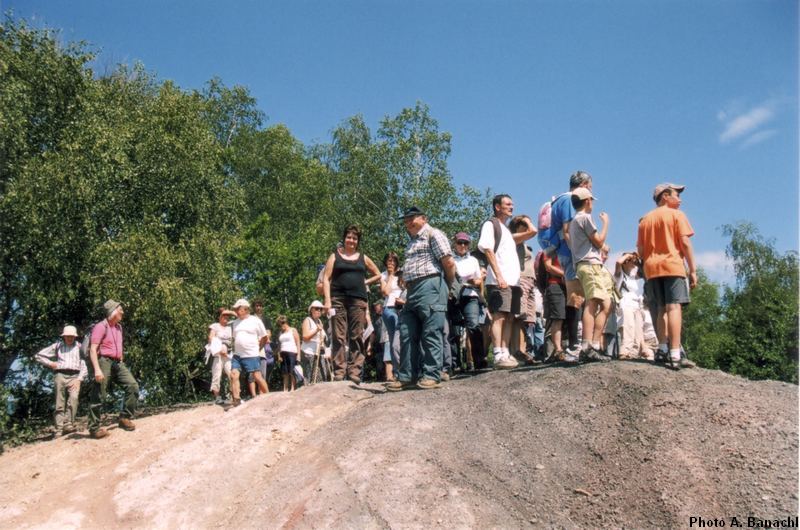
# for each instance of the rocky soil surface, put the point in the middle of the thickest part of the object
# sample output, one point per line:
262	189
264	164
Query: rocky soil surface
622	444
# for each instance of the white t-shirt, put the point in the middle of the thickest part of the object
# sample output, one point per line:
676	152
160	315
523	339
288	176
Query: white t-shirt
309	347
286	339
246	335
506	254
467	268
395	290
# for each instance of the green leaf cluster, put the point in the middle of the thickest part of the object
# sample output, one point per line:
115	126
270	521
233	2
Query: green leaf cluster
177	202
750	329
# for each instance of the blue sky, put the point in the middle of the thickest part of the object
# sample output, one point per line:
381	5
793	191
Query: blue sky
702	93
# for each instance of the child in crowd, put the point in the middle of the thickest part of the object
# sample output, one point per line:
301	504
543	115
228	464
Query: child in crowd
629	312
586	244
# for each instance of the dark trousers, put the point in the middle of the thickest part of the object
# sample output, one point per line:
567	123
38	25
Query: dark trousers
117	373
471	310
348	326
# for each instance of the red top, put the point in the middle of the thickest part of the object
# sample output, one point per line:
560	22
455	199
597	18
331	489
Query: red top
558	280
109	339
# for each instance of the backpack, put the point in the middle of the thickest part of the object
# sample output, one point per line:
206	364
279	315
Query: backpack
86	344
541	272
477	253
545	215
548	236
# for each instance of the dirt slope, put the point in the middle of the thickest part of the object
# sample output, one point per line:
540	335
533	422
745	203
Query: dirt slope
615	445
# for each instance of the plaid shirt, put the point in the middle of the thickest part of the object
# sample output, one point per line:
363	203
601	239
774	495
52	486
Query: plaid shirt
424	253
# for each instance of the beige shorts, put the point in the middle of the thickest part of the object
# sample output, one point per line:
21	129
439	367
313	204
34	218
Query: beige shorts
597	284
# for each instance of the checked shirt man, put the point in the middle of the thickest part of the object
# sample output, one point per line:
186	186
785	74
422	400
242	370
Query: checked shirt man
428	261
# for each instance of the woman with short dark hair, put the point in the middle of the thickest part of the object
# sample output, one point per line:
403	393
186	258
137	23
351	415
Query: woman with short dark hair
345	293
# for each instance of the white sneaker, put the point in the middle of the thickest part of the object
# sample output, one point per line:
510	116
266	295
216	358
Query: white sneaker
506	363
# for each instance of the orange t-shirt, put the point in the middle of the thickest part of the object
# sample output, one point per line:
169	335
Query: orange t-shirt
659	238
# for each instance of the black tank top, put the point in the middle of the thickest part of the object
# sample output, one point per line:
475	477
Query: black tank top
348	277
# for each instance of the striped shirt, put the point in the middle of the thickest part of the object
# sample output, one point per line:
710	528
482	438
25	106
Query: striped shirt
424	253
66	358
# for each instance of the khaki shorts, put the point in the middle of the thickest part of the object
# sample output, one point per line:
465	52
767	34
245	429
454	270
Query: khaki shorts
597	284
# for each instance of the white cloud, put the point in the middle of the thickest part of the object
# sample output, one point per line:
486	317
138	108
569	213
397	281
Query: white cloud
759	137
716	265
744	124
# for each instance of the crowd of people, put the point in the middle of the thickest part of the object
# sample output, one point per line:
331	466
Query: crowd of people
444	308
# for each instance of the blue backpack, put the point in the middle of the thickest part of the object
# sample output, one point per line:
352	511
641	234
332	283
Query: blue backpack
549	236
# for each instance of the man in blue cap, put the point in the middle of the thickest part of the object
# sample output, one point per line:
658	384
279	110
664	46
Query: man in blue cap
428	269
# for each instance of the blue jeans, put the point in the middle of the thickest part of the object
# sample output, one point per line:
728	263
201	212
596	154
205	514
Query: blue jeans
392	322
535	335
447	352
422	330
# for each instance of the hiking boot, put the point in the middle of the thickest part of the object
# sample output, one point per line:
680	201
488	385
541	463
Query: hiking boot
69	429
235	402
397	386
99	433
661	357
570	359
426	384
219	401
445	377
556	356
575	351
592	355
686	363
126	424
355	380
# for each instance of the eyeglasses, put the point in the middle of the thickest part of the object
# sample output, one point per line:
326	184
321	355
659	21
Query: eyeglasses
462	242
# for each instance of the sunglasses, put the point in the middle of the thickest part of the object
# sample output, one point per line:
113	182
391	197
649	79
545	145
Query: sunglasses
462	242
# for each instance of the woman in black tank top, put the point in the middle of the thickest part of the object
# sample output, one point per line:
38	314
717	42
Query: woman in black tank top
345	293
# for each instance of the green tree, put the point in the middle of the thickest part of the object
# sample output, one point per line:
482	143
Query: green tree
762	310
415	153
42	92
705	332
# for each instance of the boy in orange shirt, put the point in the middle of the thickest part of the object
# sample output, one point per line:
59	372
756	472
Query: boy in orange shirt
663	243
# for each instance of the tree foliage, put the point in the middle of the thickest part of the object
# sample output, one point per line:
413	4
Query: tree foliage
750	329
177	202
762	311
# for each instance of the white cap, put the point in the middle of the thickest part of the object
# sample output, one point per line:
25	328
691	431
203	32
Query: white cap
315	303
69	331
241	302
